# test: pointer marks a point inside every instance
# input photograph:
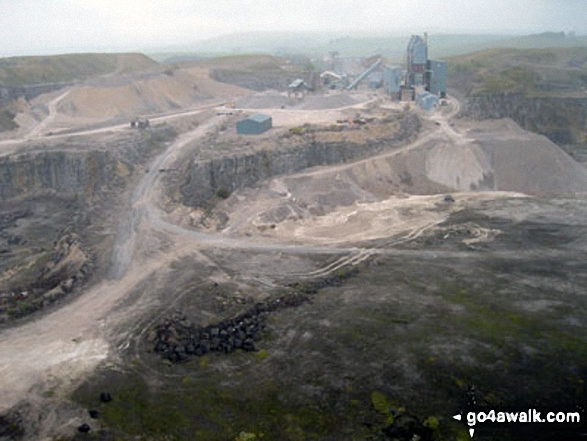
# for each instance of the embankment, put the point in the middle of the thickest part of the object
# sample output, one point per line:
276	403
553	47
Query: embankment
58	206
205	178
75	170
561	119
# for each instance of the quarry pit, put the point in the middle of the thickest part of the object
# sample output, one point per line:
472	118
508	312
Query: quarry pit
415	259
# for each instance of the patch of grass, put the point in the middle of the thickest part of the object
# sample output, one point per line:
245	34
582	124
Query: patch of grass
152	140
261	355
208	410
18	71
122	169
204	361
490	321
518	77
383	405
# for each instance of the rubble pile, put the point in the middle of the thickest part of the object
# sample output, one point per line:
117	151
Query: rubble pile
177	340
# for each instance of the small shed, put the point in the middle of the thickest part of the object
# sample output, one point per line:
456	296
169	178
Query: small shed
254	124
296	88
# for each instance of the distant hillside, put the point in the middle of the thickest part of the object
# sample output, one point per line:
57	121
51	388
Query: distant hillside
545	40
393	47
243	62
534	72
256	72
20	71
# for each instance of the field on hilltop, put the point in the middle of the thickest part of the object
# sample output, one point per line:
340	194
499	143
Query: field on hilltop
545	71
19	71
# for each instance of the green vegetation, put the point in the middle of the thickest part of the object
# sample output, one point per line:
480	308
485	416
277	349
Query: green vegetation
441	338
262	355
508	79
18	71
506	69
298	130
153	140
245	436
383	405
21	308
206	409
223	193
493	323
7	120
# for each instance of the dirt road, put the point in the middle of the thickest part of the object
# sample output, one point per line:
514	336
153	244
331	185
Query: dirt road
72	340
36	132
8	146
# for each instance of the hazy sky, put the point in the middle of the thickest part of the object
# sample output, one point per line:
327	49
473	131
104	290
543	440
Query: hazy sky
50	26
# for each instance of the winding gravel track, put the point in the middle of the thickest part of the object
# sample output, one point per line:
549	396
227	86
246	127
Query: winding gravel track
69	342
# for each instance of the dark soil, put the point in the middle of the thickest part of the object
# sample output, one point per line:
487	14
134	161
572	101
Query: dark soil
395	351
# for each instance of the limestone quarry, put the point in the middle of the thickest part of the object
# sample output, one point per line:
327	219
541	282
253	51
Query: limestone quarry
365	269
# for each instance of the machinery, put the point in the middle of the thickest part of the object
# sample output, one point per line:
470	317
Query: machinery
423	72
138	123
333	80
417	58
364	75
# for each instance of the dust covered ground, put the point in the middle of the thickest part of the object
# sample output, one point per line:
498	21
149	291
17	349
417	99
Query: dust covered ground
432	305
445	323
355	301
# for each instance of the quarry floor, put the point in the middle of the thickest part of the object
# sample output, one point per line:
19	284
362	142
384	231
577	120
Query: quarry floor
428	302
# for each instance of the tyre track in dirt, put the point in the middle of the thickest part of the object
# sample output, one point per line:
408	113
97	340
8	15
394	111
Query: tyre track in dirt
69	342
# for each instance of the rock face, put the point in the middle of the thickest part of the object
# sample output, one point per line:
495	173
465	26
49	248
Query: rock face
70	173
252	80
562	120
73	170
206	178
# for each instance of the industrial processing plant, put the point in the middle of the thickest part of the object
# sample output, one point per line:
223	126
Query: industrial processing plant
422	79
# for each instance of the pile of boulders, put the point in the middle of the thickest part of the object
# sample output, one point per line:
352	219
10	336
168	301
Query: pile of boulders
177	340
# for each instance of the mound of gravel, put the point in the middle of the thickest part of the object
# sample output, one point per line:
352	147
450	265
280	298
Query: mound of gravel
534	165
507	158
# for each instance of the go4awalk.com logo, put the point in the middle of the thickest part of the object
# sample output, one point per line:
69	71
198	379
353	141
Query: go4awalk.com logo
532	416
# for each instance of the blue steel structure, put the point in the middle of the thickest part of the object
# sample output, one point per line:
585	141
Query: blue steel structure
392	80
431	74
436	77
426	100
254	124
417	59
